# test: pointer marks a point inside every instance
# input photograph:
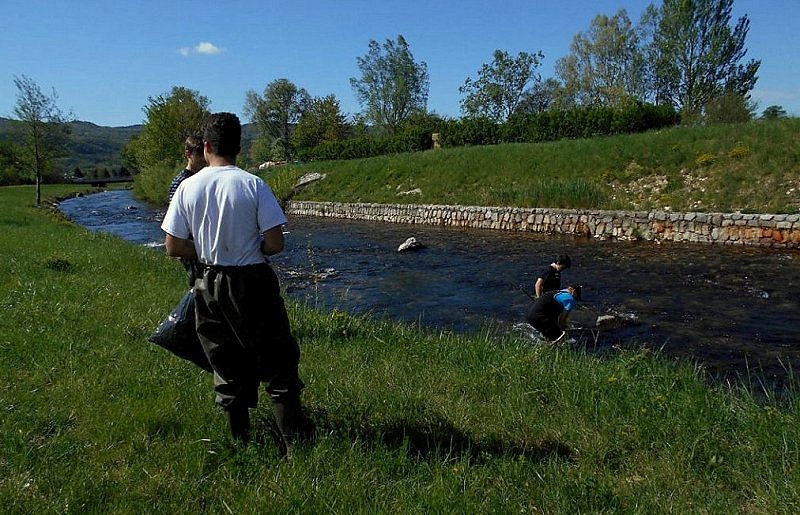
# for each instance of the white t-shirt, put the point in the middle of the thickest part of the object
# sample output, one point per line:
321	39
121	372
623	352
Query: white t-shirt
225	210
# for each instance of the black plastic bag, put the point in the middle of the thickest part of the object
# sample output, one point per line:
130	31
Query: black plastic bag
178	335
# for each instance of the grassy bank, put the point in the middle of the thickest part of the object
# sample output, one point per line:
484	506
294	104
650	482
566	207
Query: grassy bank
95	419
752	167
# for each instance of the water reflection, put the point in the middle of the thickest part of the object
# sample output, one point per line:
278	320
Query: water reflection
733	309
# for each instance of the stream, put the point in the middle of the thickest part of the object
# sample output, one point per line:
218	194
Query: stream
732	309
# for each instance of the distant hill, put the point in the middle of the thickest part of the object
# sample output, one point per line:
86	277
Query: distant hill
91	146
95	146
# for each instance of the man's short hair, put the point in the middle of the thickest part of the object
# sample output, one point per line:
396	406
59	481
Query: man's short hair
223	133
564	260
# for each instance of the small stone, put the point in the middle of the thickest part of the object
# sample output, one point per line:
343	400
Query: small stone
607	321
410	244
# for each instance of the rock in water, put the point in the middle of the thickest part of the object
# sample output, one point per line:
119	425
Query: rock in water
607	322
410	244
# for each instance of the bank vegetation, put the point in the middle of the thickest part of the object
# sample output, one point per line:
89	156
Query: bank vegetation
752	167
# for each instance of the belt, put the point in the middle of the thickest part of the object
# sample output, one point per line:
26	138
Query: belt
231	268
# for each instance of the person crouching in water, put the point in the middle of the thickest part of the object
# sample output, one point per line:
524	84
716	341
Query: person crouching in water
550	312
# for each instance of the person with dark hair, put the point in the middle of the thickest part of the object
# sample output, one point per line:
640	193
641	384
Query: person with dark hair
550	278
550	313
195	161
231	221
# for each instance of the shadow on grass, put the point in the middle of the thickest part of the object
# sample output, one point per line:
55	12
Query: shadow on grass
436	438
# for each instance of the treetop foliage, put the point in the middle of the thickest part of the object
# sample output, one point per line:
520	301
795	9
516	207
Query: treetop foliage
392	86
501	86
171	118
605	65
276	113
695	55
322	122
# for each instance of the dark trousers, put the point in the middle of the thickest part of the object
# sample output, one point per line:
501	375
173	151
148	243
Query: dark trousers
245	332
547	326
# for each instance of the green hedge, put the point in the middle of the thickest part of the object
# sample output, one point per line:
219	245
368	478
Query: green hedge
582	122
409	139
587	122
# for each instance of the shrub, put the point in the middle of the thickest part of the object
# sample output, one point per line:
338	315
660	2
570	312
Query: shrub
640	117
730	107
152	184
282	180
586	122
705	159
739	152
582	122
408	139
470	131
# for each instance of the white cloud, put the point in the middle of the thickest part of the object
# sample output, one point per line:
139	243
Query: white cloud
204	47
207	48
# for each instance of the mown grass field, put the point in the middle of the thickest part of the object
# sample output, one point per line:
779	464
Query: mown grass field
94	419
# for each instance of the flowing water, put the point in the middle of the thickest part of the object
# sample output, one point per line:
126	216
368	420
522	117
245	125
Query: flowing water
732	309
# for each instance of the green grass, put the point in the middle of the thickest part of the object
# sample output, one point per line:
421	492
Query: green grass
94	419
752	167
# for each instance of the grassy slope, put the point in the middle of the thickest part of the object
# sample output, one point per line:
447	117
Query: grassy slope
95	419
751	167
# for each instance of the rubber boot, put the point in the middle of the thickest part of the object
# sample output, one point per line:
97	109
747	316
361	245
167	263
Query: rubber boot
292	423
239	420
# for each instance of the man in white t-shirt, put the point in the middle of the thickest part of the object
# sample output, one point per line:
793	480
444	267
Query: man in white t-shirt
230	220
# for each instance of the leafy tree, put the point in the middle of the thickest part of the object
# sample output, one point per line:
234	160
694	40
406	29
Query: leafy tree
500	86
277	112
773	112
262	149
393	86
695	55
322	122
542	96
606	64
170	119
45	129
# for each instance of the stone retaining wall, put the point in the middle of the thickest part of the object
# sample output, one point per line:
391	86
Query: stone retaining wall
764	230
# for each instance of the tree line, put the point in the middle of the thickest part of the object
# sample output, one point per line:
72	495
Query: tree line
688	55
682	55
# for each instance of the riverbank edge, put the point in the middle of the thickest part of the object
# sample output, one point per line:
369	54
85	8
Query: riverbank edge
759	230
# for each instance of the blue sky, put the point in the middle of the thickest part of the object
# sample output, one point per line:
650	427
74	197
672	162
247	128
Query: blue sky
105	57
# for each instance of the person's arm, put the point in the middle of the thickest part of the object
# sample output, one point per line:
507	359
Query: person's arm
273	240
537	288
178	247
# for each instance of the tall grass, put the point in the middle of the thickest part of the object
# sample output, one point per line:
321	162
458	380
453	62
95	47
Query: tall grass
95	419
753	166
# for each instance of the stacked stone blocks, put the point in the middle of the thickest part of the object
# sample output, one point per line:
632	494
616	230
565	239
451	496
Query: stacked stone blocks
762	230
